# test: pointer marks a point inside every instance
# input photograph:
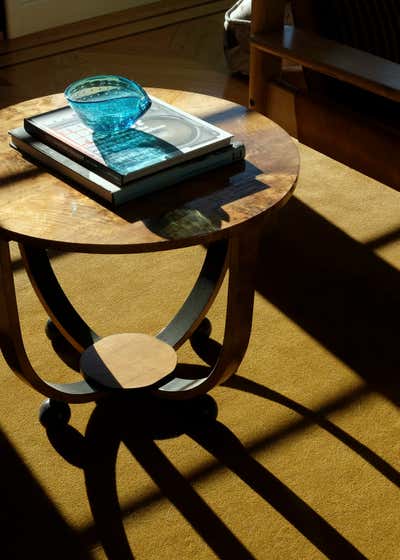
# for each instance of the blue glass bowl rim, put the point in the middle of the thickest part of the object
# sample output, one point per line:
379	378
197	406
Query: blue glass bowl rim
88	79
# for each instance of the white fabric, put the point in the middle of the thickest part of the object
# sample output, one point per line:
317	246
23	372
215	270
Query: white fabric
237	30
239	13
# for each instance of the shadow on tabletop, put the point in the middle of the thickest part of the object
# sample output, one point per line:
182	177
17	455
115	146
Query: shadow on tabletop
31	525
190	208
138	420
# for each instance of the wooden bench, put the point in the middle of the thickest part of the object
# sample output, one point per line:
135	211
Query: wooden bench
365	140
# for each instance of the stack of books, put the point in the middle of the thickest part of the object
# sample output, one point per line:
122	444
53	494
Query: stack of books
164	147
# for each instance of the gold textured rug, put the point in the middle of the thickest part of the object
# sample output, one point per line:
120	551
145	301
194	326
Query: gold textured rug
297	457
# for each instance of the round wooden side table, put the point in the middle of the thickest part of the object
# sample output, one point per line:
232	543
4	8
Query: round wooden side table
226	210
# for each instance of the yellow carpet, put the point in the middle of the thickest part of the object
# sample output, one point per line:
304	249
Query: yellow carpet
302	460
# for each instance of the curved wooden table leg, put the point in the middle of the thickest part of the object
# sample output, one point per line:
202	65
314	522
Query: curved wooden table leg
200	299
137	360
243	252
57	305
13	348
80	335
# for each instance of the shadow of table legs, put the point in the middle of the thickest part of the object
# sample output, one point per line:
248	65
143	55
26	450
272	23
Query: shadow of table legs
138	422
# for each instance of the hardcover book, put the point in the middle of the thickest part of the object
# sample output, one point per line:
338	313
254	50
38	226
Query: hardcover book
63	166
164	136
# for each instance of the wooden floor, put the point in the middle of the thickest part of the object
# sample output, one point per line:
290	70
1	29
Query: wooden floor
185	55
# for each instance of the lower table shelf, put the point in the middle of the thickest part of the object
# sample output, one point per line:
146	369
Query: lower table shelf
128	361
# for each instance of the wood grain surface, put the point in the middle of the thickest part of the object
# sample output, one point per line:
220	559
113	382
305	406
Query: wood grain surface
128	361
334	59
105	28
38	208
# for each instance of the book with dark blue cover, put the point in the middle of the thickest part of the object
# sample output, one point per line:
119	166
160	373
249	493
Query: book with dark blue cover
63	166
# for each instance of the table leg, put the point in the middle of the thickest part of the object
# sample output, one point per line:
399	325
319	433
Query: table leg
80	335
243	252
12	344
200	299
58	307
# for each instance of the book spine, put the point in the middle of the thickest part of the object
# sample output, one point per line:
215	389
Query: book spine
181	172
64	167
73	153
58	168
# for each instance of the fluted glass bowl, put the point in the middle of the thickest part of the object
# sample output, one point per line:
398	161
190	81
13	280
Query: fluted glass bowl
107	104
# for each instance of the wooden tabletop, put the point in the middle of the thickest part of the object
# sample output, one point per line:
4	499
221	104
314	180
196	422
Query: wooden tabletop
36	207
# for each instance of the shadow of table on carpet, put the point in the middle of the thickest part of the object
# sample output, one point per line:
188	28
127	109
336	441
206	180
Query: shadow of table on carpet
337	290
139	421
31	525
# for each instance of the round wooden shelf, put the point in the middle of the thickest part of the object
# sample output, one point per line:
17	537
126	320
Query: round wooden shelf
128	361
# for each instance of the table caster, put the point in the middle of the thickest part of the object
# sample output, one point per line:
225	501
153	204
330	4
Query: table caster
52	332
66	352
203	330
205	347
54	413
201	409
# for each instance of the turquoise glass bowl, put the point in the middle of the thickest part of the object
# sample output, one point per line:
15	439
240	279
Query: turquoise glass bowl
107	104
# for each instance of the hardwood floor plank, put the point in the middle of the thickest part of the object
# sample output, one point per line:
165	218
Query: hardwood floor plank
186	55
110	33
98	23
